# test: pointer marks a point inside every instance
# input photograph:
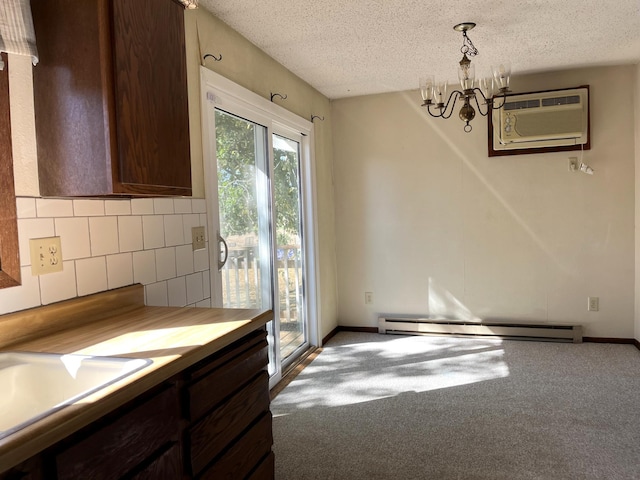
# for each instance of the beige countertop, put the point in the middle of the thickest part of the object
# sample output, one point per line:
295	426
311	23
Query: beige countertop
115	323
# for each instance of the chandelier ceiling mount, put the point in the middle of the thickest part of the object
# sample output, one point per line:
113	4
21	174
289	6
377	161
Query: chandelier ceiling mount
487	94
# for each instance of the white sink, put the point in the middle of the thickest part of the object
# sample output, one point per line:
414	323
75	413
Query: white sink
34	385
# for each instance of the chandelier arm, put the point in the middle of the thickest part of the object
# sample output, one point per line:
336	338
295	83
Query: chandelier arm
504	100
457	94
439	115
486	102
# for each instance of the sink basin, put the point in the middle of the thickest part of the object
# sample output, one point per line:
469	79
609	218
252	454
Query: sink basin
34	385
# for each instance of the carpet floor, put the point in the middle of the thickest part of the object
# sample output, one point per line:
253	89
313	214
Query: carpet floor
416	407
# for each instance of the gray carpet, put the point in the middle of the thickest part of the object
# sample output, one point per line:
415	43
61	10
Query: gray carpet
412	407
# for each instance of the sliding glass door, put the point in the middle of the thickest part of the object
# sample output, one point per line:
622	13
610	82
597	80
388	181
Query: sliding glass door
258	227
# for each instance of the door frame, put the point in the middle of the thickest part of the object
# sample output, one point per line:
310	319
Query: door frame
218	91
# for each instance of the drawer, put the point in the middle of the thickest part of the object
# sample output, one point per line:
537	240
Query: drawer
266	470
217	385
115	449
241	459
168	465
216	431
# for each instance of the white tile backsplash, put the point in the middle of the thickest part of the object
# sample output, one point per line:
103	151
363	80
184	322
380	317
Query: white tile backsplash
153	231
157	295
103	234
190	221
59	286
112	243
165	263
177	292
130	233
194	288
199	205
54	207
119	270
201	259
88	208
29	228
182	205
117	207
142	206
163	206
26	207
74	237
91	275
184	260
173	230
144	266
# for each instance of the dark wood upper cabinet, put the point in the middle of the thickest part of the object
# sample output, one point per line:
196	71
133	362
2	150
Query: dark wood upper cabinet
9	256
110	96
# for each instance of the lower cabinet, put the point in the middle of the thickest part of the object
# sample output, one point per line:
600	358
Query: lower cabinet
210	421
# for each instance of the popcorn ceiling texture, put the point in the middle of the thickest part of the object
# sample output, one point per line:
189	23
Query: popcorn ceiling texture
362	47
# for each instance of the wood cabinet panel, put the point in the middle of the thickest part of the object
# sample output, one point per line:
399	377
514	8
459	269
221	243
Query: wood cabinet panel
212	434
241	459
117	448
151	94
110	98
266	469
212	389
167	465
9	254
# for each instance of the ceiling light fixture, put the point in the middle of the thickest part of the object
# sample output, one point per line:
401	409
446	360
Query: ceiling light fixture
434	94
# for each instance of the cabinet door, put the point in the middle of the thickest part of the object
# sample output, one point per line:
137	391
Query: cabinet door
129	440
151	97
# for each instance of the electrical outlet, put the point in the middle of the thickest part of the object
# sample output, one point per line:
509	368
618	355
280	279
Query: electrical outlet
46	255
593	304
197	234
573	164
368	298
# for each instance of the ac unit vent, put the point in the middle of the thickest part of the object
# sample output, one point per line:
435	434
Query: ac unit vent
546	119
570	100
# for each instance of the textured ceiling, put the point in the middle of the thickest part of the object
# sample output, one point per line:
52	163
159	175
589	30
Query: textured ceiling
356	47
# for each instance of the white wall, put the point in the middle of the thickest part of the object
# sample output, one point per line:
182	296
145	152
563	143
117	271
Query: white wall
431	225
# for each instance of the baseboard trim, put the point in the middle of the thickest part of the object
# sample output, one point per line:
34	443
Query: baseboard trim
631	341
342	328
330	335
636	343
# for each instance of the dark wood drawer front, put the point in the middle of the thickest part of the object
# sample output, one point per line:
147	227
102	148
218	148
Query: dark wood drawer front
219	384
168	465
242	458
226	355
216	431
115	449
266	470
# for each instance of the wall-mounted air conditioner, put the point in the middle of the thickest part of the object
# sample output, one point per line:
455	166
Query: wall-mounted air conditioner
541	121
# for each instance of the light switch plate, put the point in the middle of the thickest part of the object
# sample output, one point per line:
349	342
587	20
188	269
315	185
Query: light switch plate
197	234
46	255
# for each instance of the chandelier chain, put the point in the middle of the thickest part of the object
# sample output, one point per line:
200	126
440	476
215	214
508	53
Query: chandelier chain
468	48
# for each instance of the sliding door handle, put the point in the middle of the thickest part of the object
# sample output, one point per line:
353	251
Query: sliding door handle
222	261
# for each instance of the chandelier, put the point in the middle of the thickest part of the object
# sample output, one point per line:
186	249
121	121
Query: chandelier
486	95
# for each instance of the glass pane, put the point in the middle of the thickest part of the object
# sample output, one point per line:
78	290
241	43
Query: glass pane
289	255
243	200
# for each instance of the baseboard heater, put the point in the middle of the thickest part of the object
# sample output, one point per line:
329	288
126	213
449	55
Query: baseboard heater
521	331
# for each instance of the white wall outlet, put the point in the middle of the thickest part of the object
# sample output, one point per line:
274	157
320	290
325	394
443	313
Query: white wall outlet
594	304
368	298
46	255
573	164
197	234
